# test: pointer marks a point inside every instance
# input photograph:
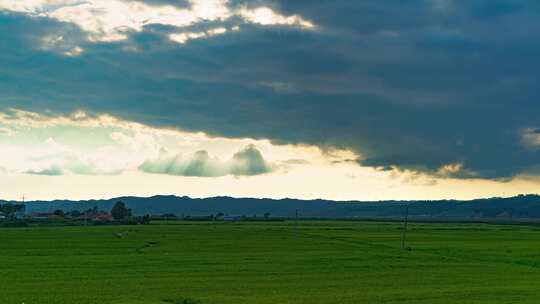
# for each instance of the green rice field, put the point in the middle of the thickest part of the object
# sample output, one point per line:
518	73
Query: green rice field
270	262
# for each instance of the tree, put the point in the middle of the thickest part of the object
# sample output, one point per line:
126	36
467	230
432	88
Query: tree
92	210
119	211
145	220
9	209
59	213
75	213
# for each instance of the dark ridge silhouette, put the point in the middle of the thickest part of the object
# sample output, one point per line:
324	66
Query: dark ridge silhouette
519	207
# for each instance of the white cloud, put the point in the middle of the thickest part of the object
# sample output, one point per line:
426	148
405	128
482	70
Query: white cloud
104	145
112	20
450	169
184	37
266	16
75	51
247	162
217	31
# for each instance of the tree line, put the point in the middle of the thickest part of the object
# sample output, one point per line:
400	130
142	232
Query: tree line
10	209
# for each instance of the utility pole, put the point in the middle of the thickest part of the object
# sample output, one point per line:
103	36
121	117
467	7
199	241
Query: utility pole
23	213
296	222
404	232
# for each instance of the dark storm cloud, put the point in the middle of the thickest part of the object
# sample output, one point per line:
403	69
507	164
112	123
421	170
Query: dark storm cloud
416	85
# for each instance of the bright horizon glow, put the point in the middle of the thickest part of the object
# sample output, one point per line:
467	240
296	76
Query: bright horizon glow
84	156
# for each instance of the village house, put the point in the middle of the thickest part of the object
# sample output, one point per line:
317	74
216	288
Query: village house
96	216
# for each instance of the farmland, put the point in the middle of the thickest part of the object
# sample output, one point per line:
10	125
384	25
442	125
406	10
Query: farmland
270	262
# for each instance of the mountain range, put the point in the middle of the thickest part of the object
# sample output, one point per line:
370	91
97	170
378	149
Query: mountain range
518	207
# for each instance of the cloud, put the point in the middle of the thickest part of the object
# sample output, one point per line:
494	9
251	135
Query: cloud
186	36
69	163
247	162
114	20
51	171
417	85
86	144
199	164
266	16
531	138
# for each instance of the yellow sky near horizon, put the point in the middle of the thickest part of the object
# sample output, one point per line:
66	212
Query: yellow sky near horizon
93	157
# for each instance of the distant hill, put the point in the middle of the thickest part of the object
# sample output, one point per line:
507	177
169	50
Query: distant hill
519	207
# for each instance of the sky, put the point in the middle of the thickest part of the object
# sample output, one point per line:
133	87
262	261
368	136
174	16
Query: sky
344	100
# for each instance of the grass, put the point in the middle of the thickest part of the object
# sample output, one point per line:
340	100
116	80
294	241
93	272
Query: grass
316	262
